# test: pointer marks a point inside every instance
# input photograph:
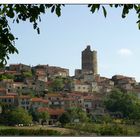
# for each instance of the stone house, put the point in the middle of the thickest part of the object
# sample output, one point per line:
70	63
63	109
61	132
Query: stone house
38	102
55	100
8	100
54	114
19	67
24	102
82	87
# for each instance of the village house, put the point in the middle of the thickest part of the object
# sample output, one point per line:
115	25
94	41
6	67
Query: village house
54	114
57	72
41	75
55	100
38	102
95	87
19	67
80	86
24	102
72	103
3	91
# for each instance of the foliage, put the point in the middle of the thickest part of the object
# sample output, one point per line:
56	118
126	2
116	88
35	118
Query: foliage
103	129
57	85
43	115
125	9
18	116
126	104
27	74
64	118
77	113
18	13
6	76
28	132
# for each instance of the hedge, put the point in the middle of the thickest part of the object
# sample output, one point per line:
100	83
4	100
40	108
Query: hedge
28	132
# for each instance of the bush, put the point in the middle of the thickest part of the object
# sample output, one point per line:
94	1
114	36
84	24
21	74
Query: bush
103	129
28	132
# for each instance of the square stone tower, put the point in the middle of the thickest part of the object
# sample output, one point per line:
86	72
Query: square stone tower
89	61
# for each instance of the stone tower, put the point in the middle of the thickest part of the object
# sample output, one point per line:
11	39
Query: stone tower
89	61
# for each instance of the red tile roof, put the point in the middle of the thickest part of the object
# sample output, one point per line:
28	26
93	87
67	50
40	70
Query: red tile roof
11	94
45	101
51	111
2	89
68	99
40	100
24	97
88	97
54	95
4	97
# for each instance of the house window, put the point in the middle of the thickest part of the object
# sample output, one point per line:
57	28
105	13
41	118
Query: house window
9	100
27	102
22	102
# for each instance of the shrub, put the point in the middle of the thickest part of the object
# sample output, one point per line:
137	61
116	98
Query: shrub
28	132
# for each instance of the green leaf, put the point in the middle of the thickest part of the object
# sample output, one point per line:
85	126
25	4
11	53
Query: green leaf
10	14
38	30
104	11
58	11
139	25
11	37
42	8
53	8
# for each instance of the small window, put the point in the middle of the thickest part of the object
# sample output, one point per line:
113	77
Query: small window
9	100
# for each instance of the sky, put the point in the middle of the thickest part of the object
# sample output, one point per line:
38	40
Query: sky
62	39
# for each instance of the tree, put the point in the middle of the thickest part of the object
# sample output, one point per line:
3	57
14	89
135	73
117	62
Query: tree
44	116
57	85
6	76
19	116
32	13
126	104
64	119
77	114
27	74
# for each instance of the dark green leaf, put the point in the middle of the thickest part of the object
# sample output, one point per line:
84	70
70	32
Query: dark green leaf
38	30
58	11
11	37
104	11
53	8
139	25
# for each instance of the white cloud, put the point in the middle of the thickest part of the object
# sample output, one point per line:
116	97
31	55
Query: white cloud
125	52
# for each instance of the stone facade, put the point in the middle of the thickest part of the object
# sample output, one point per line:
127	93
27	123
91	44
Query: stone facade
89	61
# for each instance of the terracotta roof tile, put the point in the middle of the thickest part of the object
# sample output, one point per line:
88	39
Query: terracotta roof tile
24	97
4	97
11	94
40	100
51	111
68	99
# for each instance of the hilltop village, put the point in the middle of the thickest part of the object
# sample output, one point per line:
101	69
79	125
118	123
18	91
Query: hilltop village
50	88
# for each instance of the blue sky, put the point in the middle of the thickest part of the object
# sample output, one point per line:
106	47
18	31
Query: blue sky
62	40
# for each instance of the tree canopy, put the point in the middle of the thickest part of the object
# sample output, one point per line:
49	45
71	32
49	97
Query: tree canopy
15	116
126	104
32	13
